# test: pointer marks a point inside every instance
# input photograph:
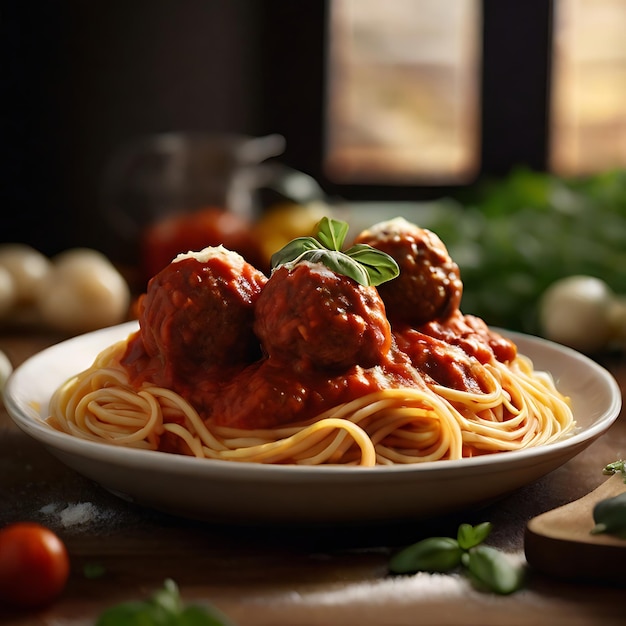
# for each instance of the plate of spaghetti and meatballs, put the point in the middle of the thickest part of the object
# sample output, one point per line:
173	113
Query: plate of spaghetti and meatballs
345	385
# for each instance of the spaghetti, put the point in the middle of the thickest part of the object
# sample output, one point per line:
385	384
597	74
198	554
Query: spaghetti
521	409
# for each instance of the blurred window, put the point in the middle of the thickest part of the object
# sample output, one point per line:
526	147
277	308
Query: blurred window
403	91
588	104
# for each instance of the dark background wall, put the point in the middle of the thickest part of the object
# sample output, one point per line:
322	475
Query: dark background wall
81	78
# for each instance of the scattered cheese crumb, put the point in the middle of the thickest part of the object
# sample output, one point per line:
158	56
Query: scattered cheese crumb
75	514
213	252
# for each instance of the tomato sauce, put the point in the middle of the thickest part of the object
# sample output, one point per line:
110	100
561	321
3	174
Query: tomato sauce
272	393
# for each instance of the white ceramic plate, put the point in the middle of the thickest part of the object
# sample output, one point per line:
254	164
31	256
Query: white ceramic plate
246	492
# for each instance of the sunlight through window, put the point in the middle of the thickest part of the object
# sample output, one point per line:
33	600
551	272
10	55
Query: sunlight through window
403	91
588	106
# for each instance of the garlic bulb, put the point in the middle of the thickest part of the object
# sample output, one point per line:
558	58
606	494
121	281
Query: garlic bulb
83	291
576	311
27	267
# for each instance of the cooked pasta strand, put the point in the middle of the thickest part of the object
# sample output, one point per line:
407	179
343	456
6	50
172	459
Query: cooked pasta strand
520	408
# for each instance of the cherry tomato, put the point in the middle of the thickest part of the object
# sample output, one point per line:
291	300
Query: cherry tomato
34	565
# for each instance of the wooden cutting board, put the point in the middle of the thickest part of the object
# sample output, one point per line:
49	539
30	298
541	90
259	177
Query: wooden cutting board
559	542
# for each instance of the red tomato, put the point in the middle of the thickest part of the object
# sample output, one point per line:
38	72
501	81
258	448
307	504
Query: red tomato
34	565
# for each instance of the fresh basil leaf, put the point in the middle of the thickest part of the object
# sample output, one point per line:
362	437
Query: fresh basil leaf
434	554
469	536
339	263
379	265
332	233
364	264
482	531
293	250
609	516
492	569
163	608
465	536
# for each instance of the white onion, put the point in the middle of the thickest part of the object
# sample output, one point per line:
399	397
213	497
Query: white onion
83	292
27	266
575	311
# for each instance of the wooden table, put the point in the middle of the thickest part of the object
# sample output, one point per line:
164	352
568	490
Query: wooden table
289	576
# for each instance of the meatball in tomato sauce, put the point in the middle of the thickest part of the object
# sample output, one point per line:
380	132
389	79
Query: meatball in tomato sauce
197	312
314	318
429	286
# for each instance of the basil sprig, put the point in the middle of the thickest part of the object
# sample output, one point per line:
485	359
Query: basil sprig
364	264
486	567
164	608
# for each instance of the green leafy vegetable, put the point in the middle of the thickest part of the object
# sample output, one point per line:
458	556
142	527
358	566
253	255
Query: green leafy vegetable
364	264
614	468
609	516
493	570
435	554
332	233
487	567
164	608
469	536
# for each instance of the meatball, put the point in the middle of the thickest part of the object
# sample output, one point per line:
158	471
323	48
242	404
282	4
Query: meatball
198	311
429	286
315	318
